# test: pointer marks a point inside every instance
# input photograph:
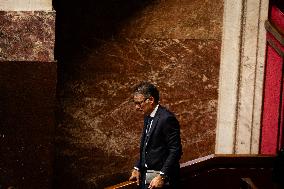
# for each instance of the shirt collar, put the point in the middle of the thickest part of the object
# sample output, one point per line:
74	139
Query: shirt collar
154	111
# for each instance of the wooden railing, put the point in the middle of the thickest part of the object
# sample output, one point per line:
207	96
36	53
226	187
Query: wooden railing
124	185
228	171
223	172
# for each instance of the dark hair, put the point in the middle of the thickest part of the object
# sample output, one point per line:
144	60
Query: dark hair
147	90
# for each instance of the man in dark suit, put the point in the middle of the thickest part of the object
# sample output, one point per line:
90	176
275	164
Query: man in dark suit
160	148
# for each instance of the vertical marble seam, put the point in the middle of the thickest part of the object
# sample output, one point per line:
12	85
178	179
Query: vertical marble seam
242	28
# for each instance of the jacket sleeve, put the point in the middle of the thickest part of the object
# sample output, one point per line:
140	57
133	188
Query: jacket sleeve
171	130
138	162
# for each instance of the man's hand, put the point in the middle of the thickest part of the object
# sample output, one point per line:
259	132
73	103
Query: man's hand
135	176
157	182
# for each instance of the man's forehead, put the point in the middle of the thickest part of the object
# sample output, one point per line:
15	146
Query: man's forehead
138	96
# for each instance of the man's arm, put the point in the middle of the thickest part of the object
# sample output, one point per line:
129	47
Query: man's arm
135	174
171	130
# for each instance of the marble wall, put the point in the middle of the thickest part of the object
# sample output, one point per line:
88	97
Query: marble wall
28	78
106	48
27	36
27	102
241	77
26	5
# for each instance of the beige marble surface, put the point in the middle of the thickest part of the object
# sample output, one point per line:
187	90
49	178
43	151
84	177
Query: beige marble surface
241	77
26	5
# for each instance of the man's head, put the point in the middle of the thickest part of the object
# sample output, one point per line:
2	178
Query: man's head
146	97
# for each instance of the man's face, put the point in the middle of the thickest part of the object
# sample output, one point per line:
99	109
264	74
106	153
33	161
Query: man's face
143	104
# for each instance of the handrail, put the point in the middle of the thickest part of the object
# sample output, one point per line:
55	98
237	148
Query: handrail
228	171
225	161
127	184
240	165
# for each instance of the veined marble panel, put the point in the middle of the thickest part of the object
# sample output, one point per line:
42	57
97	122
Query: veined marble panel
99	118
176	19
27	36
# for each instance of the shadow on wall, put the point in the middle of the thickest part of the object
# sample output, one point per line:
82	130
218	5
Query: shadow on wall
81	25
80	29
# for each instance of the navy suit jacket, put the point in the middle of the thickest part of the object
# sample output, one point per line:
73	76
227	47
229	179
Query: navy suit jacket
163	147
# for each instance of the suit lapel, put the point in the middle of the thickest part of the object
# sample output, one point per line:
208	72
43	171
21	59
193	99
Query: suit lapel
144	132
154	124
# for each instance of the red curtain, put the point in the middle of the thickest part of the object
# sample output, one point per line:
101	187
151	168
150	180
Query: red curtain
273	104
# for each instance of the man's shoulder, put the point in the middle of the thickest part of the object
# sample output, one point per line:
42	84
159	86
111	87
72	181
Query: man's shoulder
166	116
165	112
